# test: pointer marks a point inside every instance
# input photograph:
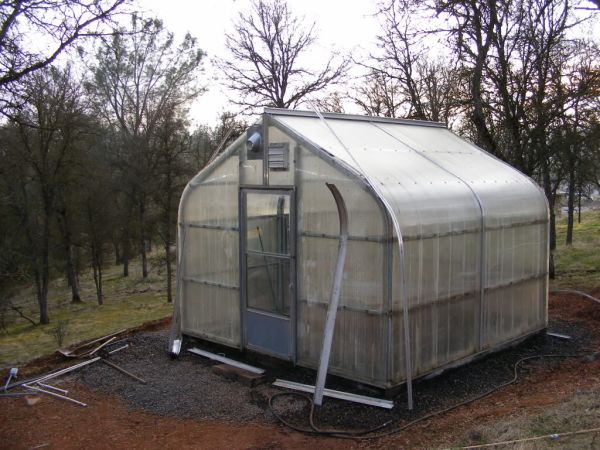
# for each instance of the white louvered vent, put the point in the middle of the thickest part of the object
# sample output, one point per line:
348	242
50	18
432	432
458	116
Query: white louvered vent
279	156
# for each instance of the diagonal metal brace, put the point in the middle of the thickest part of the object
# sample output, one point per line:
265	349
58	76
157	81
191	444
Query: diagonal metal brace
335	295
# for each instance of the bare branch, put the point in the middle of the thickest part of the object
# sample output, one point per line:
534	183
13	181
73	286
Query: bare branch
58	23
265	66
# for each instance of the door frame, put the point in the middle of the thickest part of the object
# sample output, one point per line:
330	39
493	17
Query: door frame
244	309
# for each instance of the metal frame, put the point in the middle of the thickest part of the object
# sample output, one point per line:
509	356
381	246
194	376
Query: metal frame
291	257
348	396
388	237
177	329
338	116
335	294
482	253
224	359
387	240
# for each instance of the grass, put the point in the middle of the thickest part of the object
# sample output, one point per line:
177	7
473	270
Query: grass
580	412
128	302
578	266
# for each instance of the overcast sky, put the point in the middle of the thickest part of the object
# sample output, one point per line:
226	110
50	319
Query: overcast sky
342	25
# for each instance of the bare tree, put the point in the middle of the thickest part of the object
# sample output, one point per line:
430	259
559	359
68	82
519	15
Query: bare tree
265	64
579	84
206	141
138	77
56	23
333	103
379	95
403	78
43	144
171	143
511	62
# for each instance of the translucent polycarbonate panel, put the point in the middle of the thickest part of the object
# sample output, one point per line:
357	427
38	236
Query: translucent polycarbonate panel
211	255
364	273
438	268
212	198
360	331
211	311
209	214
358	348
515	254
251	170
268	285
443	281
316	208
279	177
440	333
514	311
425	198
507	196
268	222
318	232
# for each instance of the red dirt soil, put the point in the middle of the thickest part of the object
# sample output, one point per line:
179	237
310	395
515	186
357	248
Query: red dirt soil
108	422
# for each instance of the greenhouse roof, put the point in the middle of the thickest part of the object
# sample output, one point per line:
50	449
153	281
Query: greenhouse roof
422	168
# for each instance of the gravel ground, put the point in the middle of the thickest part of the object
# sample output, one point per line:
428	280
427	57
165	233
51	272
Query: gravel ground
187	387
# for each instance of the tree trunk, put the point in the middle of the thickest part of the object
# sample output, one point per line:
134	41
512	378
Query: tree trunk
97	269
142	212
45	271
571	202
579	207
126	250
169	273
118	259
548	190
42	301
65	231
73	282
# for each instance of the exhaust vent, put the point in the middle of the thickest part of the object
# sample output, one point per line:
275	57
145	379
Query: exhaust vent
279	156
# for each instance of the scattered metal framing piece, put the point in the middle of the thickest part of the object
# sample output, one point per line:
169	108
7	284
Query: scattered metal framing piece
118	349
335	294
372	401
71	353
57	373
52	388
66	370
16	394
120	369
226	360
90	353
559	336
175	335
54	394
12	373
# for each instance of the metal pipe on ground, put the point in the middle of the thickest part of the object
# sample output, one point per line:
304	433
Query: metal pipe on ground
60	372
54	394
52	388
71	353
16	394
120	369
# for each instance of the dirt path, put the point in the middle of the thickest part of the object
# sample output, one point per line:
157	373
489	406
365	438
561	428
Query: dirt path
108	423
111	422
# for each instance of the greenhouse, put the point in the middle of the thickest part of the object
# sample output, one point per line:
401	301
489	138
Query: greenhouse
447	250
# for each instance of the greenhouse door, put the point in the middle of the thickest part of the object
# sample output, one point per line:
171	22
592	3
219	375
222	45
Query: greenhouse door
268	272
